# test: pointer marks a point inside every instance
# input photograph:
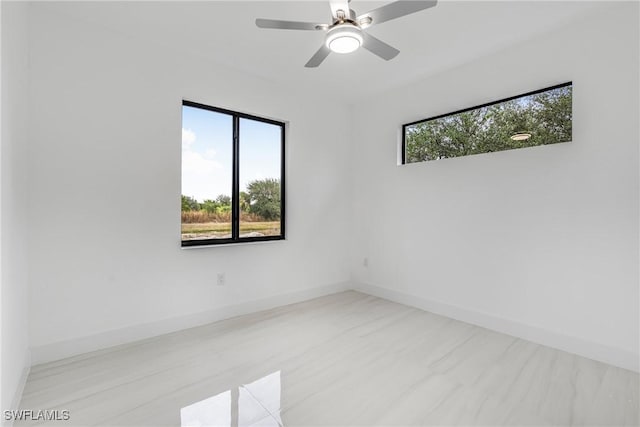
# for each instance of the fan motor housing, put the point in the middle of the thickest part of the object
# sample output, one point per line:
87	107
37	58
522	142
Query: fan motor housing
346	16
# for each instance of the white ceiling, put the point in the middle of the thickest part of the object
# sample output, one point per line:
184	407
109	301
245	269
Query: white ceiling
429	41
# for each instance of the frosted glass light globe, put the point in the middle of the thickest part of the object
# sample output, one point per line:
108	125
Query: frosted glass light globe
344	39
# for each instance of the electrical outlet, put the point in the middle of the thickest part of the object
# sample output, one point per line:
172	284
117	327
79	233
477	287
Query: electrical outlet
221	279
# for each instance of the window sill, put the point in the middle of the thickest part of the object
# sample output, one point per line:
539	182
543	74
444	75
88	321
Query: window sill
227	243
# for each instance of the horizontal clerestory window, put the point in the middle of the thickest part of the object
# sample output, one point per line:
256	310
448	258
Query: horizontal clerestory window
535	118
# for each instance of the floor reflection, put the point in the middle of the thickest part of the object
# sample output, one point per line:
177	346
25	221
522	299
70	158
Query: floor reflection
253	404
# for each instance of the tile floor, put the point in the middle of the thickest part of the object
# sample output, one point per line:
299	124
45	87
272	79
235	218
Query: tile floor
347	359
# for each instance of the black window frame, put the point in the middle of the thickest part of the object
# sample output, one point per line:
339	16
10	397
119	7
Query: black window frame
235	191
464	110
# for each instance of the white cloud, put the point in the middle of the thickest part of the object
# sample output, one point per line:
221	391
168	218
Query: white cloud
197	164
188	138
202	176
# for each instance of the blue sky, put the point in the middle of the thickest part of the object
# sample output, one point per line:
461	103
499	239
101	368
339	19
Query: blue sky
207	152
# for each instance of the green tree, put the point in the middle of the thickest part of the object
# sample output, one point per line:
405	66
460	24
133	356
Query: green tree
223	200
189	204
245	203
264	198
211	206
546	116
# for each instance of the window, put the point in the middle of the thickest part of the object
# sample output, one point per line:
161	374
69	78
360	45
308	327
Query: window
232	177
536	118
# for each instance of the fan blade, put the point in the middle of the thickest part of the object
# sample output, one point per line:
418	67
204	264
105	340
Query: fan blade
318	57
337	5
378	47
289	25
393	10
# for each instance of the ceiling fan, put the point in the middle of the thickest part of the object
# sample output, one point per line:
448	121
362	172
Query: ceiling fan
345	33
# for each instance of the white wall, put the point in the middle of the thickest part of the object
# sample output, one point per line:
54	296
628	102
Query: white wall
539	242
105	186
13	226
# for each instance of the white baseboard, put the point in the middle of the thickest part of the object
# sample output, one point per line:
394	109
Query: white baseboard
74	347
17	397
602	353
610	355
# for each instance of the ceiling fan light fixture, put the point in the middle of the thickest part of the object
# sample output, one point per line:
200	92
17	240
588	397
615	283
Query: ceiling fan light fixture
344	39
345	30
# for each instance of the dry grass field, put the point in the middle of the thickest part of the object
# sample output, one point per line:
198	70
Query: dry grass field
223	229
